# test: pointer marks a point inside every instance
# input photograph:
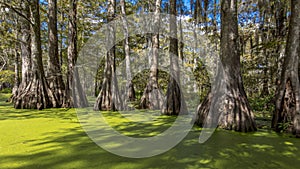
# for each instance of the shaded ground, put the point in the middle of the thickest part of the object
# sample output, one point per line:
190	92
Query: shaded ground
53	138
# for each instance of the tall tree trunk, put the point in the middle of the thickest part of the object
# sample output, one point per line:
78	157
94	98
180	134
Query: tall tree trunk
36	95
54	70
214	21
108	98
17	70
281	36
287	108
25	50
129	91
234	112
265	89
149	8
152	96
198	12
61	35
17	63
181	44
263	36
205	11
74	94
174	99
25	46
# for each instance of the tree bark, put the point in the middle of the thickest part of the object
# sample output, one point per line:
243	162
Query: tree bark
35	95
25	46
152	97
234	112
205	13
74	94
54	70
129	91
287	109
25	50
174	100
61	25
17	62
108	98
198	12
181	44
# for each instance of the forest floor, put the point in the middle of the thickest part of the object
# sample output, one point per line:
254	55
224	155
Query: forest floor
53	138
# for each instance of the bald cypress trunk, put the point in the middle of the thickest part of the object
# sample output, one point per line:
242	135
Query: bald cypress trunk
287	109
109	98
74	94
36	94
234	112
54	70
25	50
17	63
129	91
152	97
174	99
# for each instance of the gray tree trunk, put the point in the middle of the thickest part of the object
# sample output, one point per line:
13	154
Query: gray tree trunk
130	93
54	70
108	98
287	109
25	46
17	62
25	50
36	95
74	94
152	97
234	112
174	100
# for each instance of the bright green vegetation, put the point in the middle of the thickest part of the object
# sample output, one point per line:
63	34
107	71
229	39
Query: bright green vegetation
53	138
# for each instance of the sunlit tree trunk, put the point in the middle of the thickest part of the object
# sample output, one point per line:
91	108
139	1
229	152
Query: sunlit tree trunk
234	112
74	94
54	70
109	98
181	44
129	91
36	95
17	62
25	51
152	96
25	46
174	100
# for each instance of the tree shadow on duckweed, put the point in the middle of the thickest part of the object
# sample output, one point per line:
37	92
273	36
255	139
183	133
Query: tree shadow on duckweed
51	140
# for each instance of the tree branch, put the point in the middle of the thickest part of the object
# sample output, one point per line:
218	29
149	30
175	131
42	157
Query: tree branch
3	64
16	11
